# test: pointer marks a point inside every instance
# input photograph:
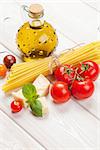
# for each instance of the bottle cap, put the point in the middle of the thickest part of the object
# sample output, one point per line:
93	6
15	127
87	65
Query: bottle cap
36	11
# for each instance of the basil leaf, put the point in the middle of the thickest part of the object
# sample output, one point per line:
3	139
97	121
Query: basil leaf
29	91
36	108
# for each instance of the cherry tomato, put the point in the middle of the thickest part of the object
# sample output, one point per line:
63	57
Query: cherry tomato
19	100
89	69
3	70
16	106
60	92
82	89
65	73
9	60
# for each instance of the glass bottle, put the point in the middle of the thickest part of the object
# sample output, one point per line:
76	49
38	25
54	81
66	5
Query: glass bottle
36	38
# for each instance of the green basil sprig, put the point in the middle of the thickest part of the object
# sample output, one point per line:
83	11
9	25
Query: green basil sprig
30	93
36	108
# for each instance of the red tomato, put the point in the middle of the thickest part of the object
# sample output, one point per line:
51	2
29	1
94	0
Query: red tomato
9	60
16	106
65	73
89	69
82	89
60	92
19	100
3	70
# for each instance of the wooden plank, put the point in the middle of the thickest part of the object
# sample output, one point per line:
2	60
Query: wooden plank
12	137
73	125
68	121
9	24
93	4
74	21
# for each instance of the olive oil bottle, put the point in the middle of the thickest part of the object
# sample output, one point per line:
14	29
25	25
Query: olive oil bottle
36	38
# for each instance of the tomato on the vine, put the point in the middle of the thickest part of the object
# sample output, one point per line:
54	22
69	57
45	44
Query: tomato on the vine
60	92
82	89
3	70
88	69
65	73
16	106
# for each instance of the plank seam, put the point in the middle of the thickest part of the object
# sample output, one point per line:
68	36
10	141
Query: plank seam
93	8
9	50
29	134
66	36
92	114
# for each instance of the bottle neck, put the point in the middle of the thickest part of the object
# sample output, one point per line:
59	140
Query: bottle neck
36	22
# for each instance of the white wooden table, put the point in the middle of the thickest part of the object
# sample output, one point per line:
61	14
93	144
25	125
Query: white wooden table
70	126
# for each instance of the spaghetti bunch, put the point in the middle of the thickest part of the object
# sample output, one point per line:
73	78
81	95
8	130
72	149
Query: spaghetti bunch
27	71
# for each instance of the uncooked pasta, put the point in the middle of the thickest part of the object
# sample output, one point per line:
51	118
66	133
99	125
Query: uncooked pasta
27	71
